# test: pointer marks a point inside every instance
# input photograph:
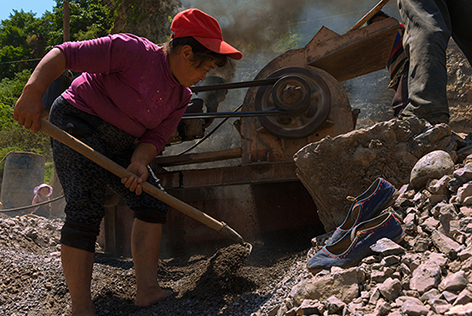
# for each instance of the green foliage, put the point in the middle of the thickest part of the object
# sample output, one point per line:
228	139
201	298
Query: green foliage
49	173
12	135
13	60
24	38
88	19
14	44
10	89
14	31
6	116
93	31
17	138
136	14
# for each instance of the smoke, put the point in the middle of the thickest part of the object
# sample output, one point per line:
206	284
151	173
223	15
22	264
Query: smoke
256	26
253	25
264	29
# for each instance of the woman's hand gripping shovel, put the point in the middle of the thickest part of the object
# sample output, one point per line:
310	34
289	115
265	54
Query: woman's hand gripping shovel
121	172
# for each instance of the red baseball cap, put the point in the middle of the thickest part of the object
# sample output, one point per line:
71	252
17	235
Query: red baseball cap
205	29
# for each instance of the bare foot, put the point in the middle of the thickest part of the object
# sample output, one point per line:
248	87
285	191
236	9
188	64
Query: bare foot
151	296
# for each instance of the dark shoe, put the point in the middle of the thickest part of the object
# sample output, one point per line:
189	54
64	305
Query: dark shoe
355	246
380	195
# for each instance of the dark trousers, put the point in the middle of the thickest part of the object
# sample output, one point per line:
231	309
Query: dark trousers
84	182
429	25
400	99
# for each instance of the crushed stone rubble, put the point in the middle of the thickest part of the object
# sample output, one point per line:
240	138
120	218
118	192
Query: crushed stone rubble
30	264
428	273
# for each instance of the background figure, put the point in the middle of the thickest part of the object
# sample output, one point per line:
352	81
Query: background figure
55	89
397	67
428	26
41	194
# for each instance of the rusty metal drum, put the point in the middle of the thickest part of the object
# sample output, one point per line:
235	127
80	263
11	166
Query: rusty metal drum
23	171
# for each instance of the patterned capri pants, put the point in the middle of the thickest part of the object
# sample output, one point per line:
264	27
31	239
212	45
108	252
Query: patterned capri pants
85	183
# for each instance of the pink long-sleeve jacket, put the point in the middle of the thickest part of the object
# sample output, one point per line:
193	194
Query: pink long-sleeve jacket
126	81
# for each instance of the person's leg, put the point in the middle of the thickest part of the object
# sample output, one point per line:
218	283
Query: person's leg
400	99
84	190
428	29
150	215
145	247
77	265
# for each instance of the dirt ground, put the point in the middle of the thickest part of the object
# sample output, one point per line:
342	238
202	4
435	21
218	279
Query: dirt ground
202	284
222	280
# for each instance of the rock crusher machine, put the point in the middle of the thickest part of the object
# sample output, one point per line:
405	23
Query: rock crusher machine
296	99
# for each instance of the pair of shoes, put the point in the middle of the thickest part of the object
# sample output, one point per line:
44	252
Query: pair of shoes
380	195
355	246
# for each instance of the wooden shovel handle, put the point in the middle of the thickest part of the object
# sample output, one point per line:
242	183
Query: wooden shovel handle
121	172
369	14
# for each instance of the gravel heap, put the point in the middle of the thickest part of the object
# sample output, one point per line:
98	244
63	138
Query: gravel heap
218	281
428	273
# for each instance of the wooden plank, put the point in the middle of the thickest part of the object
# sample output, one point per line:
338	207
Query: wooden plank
245	174
355	53
323	35
211	156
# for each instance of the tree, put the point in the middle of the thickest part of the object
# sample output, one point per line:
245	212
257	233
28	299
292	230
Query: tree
24	39
15	53
88	19
10	89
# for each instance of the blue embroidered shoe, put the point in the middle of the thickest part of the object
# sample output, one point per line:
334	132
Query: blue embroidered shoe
355	246
380	195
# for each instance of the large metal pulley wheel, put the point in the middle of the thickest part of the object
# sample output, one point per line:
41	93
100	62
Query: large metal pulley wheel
302	95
